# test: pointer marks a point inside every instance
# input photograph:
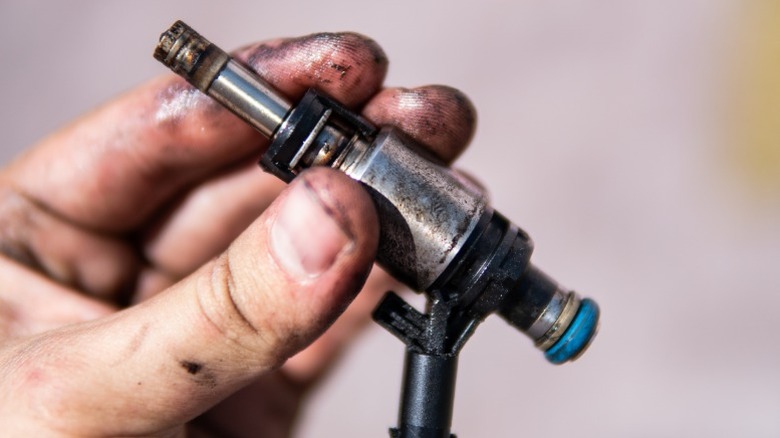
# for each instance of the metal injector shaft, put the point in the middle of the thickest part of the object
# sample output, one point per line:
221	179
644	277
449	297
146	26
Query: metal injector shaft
437	233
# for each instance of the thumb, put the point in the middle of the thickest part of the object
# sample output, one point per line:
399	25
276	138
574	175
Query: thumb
157	365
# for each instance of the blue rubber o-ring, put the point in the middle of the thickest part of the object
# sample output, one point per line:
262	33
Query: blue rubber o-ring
578	335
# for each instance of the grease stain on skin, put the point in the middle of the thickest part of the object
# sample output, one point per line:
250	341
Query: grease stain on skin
18	222
191	367
199	373
342	69
331	206
254	55
322	58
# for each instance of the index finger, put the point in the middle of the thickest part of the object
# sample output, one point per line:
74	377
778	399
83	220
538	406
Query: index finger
112	169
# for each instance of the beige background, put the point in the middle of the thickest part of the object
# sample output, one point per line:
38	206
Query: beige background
608	130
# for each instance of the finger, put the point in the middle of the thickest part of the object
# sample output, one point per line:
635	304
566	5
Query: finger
274	416
208	218
112	169
26	303
439	117
170	358
97	264
347	66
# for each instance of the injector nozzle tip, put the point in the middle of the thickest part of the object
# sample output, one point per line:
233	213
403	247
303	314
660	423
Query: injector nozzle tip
188	54
172	41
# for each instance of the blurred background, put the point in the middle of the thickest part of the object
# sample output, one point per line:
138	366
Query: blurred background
637	142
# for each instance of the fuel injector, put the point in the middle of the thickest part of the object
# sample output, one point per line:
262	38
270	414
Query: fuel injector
438	235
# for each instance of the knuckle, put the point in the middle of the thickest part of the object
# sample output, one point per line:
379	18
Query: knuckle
223	304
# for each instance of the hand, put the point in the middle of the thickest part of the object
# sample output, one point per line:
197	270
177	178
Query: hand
132	303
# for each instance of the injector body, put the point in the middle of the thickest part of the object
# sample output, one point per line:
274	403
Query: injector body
438	235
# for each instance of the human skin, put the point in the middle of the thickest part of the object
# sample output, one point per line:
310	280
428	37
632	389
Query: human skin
156	283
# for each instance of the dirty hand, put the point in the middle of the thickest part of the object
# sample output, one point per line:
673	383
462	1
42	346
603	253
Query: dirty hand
152	279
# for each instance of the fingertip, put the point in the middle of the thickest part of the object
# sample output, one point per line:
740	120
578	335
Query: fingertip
294	271
325	221
437	116
348	66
